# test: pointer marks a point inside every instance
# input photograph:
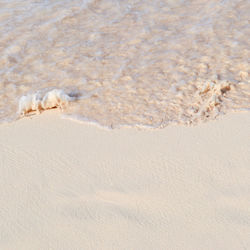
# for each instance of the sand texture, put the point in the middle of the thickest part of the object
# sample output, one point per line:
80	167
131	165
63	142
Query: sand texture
66	185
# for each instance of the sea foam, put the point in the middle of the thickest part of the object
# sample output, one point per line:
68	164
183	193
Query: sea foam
37	102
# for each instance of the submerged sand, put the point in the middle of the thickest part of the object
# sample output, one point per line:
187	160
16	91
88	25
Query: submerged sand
132	62
66	185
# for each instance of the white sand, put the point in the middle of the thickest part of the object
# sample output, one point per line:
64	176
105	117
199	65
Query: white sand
66	185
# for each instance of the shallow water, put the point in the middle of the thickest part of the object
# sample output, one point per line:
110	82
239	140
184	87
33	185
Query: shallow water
149	63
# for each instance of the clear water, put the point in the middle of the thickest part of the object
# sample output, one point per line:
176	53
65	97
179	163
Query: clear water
132	62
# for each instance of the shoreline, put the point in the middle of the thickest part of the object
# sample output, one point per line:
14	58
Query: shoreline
71	185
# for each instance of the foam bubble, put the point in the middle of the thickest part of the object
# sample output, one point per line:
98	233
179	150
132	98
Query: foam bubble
55	98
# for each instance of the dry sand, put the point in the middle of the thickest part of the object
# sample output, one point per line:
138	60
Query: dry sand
66	185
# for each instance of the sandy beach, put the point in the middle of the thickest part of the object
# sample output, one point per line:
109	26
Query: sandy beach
69	185
164	163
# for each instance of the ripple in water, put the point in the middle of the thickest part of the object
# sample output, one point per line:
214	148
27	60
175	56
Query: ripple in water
135	63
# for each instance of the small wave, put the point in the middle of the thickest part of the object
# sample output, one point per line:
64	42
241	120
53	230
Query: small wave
132	63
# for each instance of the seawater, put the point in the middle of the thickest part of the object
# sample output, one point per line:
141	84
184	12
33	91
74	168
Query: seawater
134	63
